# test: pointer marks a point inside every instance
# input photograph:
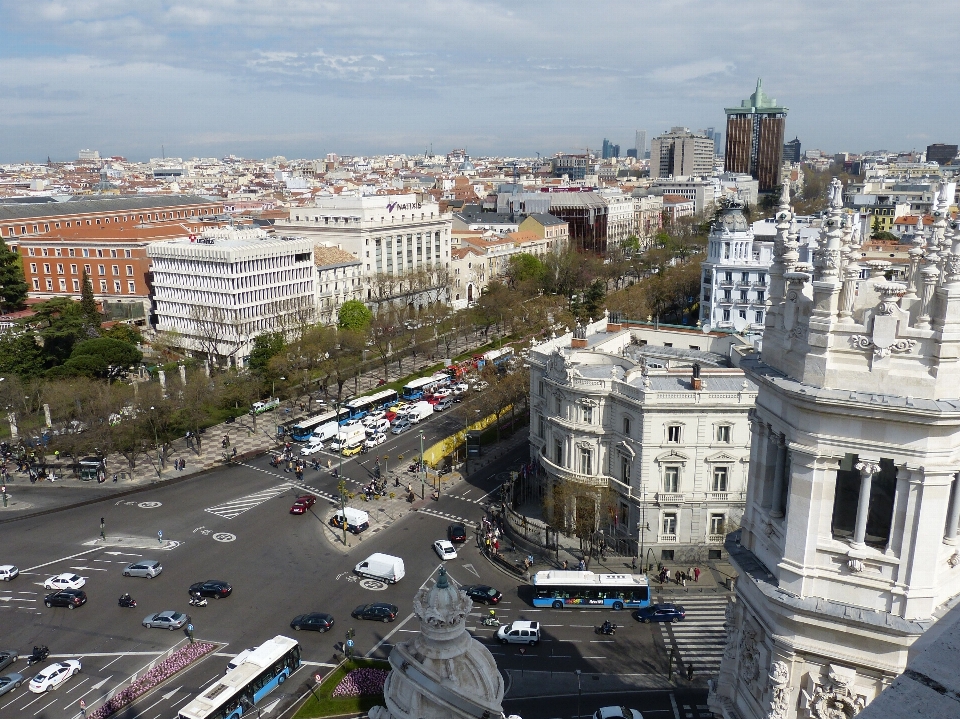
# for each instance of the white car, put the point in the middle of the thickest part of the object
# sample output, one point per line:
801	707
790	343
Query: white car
378	426
520	632
8	572
65	581
351	423
373	417
53	676
460	388
374	440
445	549
443	392
617	713
312	448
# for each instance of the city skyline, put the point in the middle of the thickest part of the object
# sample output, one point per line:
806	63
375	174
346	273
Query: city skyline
303	79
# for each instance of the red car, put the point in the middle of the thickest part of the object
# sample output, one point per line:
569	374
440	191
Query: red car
390	416
303	504
432	399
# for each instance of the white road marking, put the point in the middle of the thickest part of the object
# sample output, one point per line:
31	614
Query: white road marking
42	708
62	559
77	685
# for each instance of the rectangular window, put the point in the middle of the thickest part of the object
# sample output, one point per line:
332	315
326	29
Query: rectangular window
36	283
86	268
59	269
744	276
63	285
46	268
559	406
743	314
723	433
586	461
76	285
103	285
540	388
588	415
671	479
626	426
102	269
33	267
49	284
718	524
758	317
761	296
116	286
116	270
719	483
113	253
558	452
726	315
127	253
673	433
744	296
762	278
670	524
625	469
73	269
131	287
129	270
540	425
86	252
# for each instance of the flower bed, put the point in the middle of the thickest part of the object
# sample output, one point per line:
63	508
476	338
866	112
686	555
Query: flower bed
361	682
180	659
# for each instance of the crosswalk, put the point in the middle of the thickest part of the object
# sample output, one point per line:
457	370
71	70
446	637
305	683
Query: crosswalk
446	515
236	507
700	638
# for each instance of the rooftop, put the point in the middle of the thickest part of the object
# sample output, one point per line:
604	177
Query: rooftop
86	206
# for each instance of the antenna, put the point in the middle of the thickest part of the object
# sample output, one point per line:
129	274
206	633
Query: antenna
163	153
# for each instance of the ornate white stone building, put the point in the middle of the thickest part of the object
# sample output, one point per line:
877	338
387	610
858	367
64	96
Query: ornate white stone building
443	673
622	408
848	550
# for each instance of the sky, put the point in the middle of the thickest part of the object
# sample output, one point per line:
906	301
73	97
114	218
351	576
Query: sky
302	78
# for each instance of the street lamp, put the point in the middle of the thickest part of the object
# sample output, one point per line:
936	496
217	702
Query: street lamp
423	470
578	694
156	442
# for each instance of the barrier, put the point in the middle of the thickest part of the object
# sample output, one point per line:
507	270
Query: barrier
447	446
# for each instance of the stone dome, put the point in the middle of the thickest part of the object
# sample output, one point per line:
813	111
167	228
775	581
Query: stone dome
443	671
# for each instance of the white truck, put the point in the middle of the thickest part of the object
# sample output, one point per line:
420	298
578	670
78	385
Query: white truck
348	436
326	431
420	410
381	566
265	406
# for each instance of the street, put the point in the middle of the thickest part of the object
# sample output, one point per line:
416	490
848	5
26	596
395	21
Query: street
234	524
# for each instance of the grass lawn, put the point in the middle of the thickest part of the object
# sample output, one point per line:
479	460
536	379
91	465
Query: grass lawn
321	704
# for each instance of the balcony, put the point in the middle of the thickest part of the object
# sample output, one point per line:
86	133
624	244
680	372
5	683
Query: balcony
669	497
719	496
716	538
666	538
565	474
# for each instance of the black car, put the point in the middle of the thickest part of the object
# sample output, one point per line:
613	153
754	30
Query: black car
211	588
316	622
7	658
457	532
660	613
68	598
482	593
376	612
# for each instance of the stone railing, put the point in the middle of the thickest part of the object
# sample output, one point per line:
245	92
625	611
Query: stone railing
589	480
666	538
670	497
716	538
718	496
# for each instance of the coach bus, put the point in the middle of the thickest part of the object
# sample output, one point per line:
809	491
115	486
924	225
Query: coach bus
559	588
362	406
302	430
417	388
240	689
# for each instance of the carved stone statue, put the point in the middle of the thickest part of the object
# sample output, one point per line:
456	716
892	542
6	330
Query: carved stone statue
779	691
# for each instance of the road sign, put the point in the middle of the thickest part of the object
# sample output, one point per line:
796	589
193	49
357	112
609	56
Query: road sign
523	650
318	677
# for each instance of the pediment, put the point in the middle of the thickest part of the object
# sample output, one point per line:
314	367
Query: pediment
672	456
721	457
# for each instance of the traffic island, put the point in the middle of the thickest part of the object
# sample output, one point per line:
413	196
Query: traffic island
352	689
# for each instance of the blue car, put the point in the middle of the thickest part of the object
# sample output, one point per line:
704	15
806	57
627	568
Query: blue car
660	613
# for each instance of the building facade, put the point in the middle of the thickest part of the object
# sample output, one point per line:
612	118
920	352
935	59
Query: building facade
735	280
681	153
849	547
339	278
215	293
622	411
755	132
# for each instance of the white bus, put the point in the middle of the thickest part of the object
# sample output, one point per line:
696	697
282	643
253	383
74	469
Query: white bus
417	388
557	588
238	691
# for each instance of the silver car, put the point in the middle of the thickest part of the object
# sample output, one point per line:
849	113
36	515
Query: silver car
148	568
166	620
9	682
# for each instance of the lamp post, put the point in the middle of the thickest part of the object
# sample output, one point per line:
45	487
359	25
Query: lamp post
578	694
342	488
156	442
423	470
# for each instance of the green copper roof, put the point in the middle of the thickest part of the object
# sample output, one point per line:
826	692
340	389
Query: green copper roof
759	101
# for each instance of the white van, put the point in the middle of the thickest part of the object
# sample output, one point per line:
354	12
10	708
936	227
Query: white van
348	436
381	566
326	431
421	410
357	519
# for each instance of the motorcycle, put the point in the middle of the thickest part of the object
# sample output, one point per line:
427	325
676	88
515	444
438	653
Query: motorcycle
127	601
606	628
490	622
197	601
39	655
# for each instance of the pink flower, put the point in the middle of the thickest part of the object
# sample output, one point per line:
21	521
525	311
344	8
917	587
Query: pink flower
360	682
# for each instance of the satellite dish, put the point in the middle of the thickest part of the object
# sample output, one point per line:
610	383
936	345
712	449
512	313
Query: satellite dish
706	329
740	323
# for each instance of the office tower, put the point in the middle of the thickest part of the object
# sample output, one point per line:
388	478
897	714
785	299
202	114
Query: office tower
941	154
680	153
609	150
641	144
791	151
755	138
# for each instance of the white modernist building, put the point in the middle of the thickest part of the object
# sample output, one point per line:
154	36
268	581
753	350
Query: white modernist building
849	547
733	287
218	291
659	417
402	242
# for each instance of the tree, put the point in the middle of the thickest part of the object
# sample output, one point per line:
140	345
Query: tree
88	305
524	271
13	287
20	354
116	354
265	347
354	315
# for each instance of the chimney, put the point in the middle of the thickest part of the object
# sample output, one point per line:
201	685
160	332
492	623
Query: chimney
613	322
579	340
696	384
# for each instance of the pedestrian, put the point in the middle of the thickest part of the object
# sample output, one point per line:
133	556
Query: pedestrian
666	573
582	566
234	452
683	579
564	567
103	536
190	632
696	574
83	708
690	573
160	536
689	671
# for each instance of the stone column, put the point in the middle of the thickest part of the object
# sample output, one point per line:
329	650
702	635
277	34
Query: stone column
848	293
778	470
928	276
867	470
953	516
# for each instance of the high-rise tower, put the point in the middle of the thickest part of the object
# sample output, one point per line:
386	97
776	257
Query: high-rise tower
755	132
848	548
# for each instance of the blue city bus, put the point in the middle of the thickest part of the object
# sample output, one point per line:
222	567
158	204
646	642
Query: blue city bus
362	406
416	389
243	687
557	589
303	430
